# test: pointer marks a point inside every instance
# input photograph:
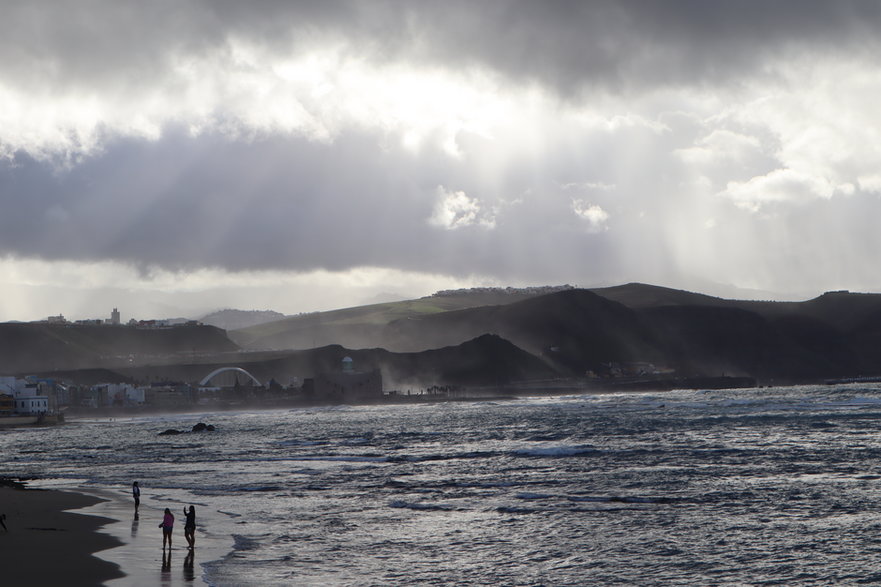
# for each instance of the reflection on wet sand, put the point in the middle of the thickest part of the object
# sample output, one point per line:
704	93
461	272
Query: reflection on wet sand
189	573
166	567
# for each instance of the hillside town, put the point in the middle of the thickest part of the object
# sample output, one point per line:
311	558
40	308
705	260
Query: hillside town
32	400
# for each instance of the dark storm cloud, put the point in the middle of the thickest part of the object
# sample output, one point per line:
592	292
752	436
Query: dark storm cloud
563	44
592	189
186	203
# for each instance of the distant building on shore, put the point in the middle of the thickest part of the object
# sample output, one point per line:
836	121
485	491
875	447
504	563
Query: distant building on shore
346	384
26	397
7	404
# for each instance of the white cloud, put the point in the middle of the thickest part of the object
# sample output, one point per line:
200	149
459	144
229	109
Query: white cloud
721	145
870	183
779	186
595	216
589	186
455	210
246	91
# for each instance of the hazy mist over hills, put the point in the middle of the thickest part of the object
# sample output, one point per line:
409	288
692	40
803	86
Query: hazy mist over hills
485	335
235	319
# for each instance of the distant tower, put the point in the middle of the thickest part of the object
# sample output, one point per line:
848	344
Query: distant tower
114	317
348	364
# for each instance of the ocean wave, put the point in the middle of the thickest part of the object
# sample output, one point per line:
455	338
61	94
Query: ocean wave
620	499
400	504
442	457
555	451
302	443
341	458
244	543
258	488
529	496
506	509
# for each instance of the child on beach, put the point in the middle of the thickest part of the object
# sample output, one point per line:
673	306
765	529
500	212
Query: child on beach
167	526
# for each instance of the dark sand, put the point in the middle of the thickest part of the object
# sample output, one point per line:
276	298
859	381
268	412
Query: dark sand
46	545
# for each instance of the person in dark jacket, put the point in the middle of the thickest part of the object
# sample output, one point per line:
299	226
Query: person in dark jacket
190	526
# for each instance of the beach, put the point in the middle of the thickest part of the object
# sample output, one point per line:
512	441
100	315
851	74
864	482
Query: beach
102	542
47	545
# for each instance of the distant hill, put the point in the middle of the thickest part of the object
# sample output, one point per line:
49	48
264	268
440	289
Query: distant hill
26	347
236	319
641	295
493	336
577	331
486	360
362	326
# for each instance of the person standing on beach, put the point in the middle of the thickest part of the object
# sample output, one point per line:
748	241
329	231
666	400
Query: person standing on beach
167	526
190	527
136	493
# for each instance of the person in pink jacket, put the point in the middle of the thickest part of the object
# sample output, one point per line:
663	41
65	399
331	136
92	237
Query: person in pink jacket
167	526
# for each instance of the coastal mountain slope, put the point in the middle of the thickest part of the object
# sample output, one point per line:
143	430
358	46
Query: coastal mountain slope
634	330
573	331
236	319
486	360
39	346
641	295
577	332
362	326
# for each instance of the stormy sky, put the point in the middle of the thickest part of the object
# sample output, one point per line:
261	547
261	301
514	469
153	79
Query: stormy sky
171	158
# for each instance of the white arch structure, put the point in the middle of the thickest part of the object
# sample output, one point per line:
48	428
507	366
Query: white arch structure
211	375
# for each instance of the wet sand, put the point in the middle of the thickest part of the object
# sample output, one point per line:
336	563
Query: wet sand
102	543
141	556
46	545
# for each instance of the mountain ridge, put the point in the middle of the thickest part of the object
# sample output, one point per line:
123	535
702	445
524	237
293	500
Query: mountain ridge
629	330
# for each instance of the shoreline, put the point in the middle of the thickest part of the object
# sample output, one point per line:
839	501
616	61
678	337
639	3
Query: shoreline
499	392
101	542
47	544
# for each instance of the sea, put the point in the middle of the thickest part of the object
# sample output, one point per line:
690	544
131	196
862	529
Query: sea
766	486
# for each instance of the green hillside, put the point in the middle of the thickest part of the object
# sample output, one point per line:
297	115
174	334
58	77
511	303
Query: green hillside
362	326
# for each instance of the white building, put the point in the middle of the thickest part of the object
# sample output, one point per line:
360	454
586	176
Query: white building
31	405
120	394
26	397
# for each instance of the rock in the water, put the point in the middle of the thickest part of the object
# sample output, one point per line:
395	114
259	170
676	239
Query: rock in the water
170	432
203	427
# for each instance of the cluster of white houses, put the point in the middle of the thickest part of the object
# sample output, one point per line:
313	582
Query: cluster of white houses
32	396
21	397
